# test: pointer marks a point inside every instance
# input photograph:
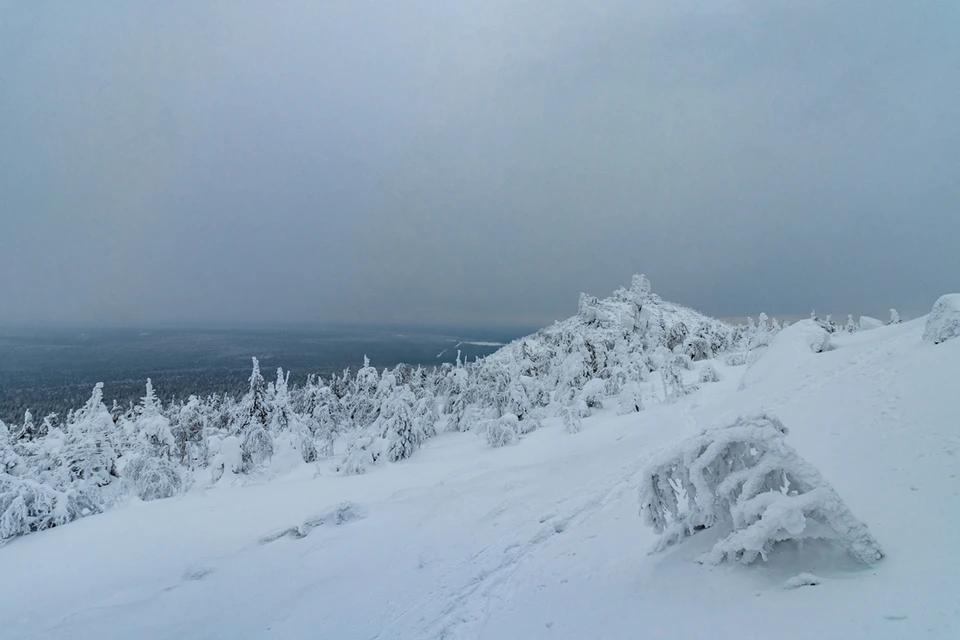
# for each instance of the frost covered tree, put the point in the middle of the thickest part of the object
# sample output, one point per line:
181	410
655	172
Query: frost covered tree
746	481
399	426
251	422
362	404
631	399
90	452
894	317
190	433
285	424
673	386
851	326
10	461
570	418
29	430
151	468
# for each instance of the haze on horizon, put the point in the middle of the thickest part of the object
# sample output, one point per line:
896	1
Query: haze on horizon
473	162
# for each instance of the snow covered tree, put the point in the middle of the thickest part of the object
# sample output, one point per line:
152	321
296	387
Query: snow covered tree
29	430
90	452
190	434
673	386
399	426
363	399
851	326
251	422
570	418
631	399
746	481
151	468
10	461
286	424
894	317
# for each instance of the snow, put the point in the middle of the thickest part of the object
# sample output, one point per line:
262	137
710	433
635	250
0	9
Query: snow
791	348
540	539
943	323
867	323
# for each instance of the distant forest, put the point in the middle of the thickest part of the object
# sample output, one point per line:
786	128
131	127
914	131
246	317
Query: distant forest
53	371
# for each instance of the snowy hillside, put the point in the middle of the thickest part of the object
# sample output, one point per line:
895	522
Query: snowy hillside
543	539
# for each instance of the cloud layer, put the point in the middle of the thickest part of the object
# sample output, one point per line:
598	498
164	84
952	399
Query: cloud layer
473	162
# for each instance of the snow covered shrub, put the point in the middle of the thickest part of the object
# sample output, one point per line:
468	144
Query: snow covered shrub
709	373
676	335
682	361
531	422
745	479
697	348
153	477
500	432
894	317
867	323
631	399
27	505
673	386
943	322
228	459
570	417
363	452
735	359
593	393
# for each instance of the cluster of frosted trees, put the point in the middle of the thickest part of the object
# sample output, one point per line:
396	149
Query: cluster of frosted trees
622	352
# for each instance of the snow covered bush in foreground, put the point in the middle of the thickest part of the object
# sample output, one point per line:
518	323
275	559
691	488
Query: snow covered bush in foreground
745	479
943	322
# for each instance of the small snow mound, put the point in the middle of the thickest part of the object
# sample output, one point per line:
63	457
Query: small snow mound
802	580
943	322
867	323
794	344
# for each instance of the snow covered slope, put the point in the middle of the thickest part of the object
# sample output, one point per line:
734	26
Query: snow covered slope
540	540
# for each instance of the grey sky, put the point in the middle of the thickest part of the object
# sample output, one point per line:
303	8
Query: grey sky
474	161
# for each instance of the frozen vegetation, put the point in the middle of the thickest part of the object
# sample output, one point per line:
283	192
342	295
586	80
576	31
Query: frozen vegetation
497	498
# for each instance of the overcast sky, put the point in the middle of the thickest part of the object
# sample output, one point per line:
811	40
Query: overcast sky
478	161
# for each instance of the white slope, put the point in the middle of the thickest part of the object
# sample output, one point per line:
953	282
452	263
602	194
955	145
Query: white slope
540	540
